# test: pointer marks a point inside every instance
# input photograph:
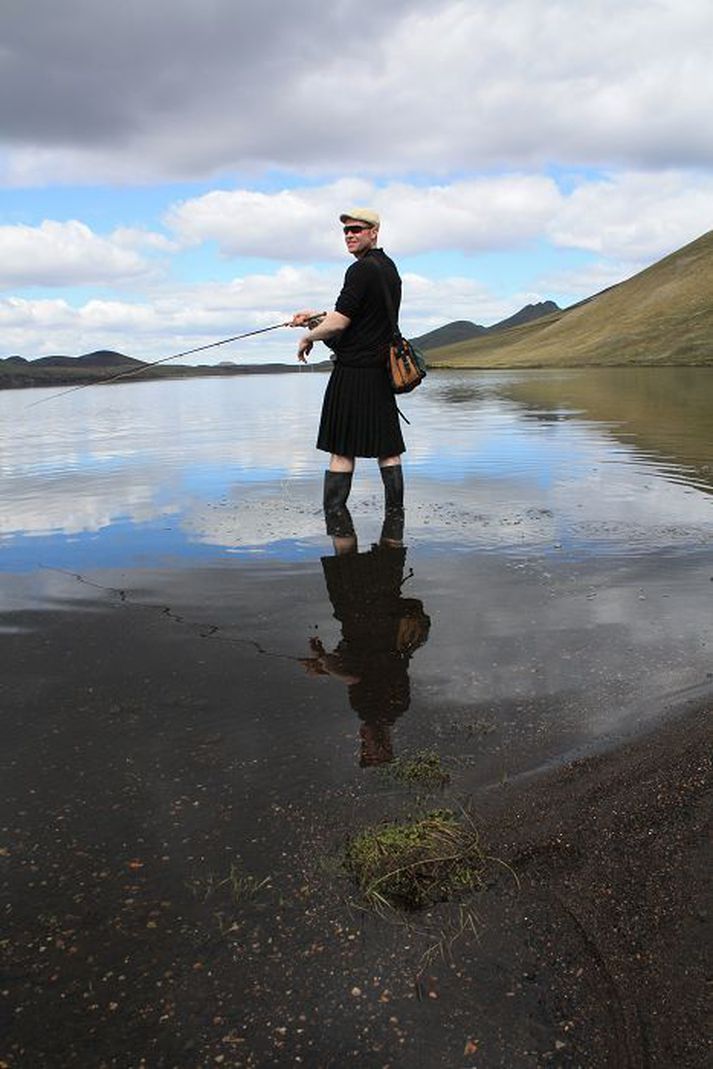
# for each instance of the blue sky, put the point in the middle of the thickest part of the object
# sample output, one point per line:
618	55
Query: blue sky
175	174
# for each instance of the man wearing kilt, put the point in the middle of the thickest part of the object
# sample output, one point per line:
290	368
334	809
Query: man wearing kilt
359	415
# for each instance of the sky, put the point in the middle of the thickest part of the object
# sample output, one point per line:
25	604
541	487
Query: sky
172	171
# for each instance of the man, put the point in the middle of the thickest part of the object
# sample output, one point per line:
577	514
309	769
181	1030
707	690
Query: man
359	414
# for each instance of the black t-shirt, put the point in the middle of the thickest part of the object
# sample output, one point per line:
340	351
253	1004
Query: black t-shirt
365	342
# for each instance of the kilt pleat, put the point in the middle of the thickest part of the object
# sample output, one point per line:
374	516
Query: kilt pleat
359	416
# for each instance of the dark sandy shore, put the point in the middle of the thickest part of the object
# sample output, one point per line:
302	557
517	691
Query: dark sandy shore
614	854
173	895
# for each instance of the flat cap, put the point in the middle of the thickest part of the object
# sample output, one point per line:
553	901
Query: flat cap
364	215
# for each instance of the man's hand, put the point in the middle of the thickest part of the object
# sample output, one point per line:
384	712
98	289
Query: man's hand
304	349
321	325
307	319
326	664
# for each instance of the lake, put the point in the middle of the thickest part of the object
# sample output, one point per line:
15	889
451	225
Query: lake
589	462
548	514
194	680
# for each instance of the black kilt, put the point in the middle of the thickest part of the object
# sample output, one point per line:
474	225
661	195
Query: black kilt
359	416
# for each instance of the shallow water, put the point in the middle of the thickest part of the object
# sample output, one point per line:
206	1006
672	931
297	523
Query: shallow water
560	546
589	462
192	680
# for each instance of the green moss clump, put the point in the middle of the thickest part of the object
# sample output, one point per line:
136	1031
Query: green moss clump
413	865
423	769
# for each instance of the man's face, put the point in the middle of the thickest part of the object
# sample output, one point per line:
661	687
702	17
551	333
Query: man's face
359	237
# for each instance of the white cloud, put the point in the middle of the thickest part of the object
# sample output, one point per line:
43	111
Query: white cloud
177	89
65	254
131	237
567	287
74	505
168	321
483	213
631	216
429	303
289	224
636	216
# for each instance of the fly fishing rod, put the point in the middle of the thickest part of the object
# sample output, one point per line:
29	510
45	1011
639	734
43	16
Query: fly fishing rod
174	356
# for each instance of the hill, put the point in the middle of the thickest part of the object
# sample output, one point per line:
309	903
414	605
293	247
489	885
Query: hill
463	329
108	358
460	330
101	358
663	315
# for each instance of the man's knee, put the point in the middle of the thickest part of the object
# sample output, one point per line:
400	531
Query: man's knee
340	463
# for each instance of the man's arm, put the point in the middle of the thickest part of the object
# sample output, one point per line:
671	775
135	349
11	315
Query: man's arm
333	323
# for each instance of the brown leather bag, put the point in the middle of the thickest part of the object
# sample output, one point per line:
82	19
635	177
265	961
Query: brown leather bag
406	366
414	626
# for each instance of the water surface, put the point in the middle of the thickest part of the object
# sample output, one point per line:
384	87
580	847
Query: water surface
193	681
607	460
558	528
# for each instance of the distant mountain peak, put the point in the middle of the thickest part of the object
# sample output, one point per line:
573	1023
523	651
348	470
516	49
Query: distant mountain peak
107	358
99	358
464	330
526	315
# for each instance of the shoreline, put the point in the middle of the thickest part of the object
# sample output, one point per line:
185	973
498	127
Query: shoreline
612	851
47	378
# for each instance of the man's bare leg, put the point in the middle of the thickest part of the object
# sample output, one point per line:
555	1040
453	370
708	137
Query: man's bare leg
340	463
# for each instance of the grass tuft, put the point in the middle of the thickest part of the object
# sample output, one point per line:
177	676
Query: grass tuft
414	865
423	769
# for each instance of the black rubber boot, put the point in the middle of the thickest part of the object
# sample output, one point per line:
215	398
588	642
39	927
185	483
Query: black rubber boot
393	479
337	485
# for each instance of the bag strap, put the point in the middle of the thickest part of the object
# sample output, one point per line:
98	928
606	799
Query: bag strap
391	314
390	311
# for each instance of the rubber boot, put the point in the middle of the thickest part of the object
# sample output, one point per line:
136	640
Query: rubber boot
393	479
337	485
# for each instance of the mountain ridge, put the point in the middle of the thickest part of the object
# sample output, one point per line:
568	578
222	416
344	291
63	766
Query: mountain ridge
661	315
464	329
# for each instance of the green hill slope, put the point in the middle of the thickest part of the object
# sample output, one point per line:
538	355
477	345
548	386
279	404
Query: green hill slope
450	334
663	315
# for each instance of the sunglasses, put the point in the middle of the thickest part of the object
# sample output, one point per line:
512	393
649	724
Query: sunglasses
353	229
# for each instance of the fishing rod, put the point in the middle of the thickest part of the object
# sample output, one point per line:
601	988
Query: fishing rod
174	356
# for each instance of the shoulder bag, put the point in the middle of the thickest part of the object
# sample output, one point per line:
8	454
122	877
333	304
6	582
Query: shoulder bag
406	364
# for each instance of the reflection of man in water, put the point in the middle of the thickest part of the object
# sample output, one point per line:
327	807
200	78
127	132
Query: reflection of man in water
380	632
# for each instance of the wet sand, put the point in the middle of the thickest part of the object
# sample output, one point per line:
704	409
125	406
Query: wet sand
614	856
176	795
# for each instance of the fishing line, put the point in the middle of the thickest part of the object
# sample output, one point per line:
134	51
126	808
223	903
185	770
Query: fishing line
164	359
